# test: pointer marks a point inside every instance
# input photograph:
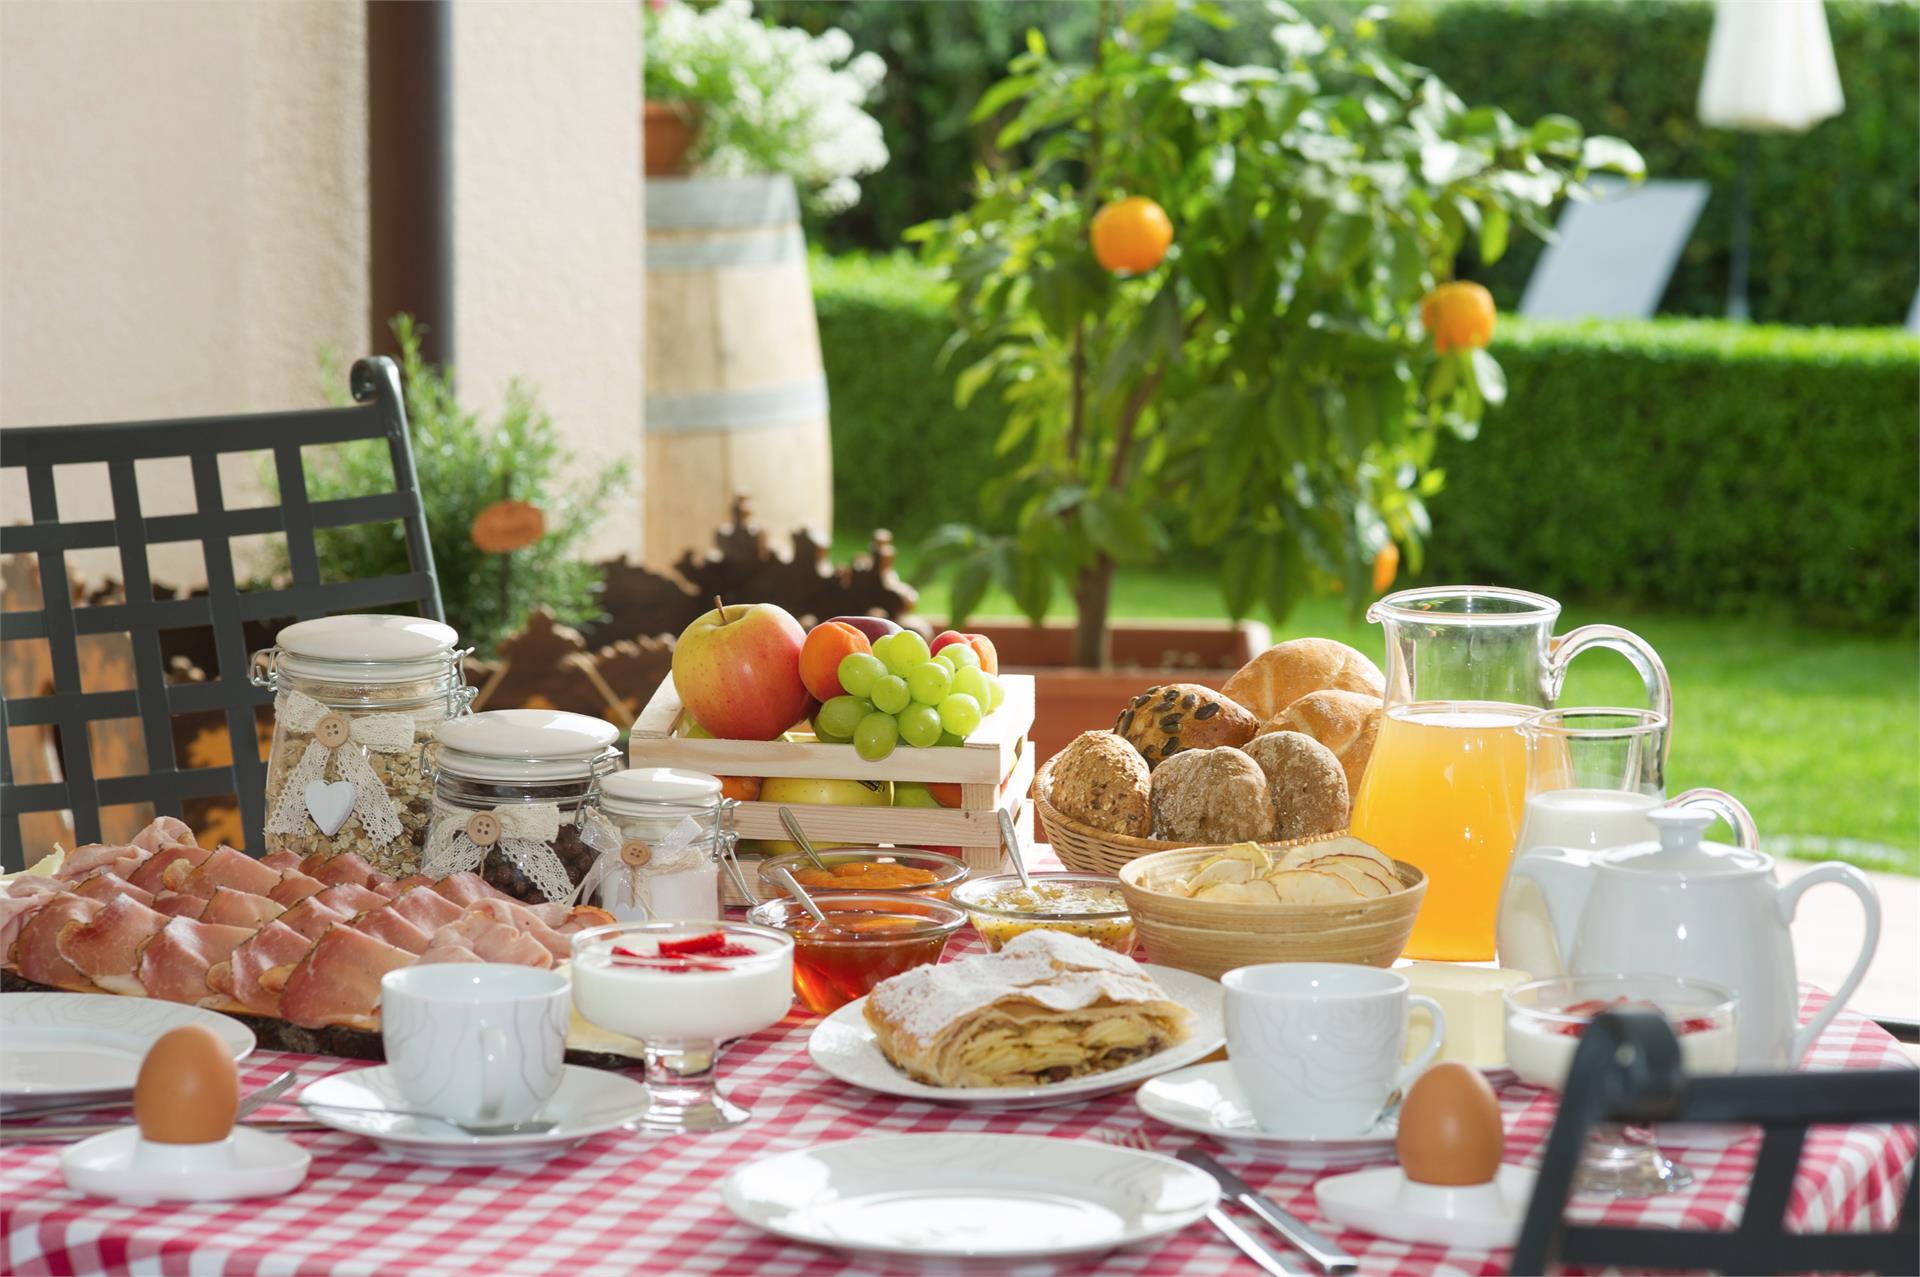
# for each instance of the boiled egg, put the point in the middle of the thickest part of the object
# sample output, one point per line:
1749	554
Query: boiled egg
1450	1132
188	1089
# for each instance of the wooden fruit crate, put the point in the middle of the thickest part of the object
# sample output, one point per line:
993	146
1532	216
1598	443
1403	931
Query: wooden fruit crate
994	769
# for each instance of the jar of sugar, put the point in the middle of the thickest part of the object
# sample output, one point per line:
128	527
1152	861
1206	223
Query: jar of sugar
675	837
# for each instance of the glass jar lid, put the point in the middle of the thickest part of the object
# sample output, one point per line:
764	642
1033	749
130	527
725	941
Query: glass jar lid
643	791
523	744
366	648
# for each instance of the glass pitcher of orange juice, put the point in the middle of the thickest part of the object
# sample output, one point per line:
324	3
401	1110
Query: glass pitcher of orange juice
1447	784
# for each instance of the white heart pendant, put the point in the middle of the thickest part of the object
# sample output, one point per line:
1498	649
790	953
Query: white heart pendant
330	805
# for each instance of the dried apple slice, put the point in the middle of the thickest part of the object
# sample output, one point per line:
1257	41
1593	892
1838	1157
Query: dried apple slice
1258	892
1220	870
1311	887
1361	872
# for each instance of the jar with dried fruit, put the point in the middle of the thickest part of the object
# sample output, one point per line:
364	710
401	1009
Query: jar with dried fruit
515	796
675	837
354	700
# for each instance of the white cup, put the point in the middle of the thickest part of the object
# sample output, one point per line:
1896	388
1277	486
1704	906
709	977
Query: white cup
1317	1045
475	1042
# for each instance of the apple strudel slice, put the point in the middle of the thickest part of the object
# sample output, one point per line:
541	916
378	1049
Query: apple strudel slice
1047	1007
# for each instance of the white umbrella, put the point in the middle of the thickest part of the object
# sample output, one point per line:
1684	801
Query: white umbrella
1770	69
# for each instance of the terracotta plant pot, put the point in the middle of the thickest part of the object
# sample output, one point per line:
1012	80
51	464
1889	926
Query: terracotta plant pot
669	129
1070	700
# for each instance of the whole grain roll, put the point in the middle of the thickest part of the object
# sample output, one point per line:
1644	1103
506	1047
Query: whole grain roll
1347	723
1285	672
1211	796
1162	721
1101	780
1305	783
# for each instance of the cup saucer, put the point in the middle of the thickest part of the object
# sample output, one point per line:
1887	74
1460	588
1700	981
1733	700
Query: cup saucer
589	1102
1208	1100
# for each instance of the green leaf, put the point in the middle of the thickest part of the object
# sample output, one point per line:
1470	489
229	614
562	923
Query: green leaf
1123	531
970	586
1560	134
1494	224
1491	378
1340	242
1000	95
1243	569
1613	154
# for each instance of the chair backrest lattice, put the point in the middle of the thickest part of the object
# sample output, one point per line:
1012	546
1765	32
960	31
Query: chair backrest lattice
70	711
1628	1067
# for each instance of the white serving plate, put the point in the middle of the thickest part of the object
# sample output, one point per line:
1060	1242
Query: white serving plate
1207	1099
589	1102
844	1046
60	1048
961	1201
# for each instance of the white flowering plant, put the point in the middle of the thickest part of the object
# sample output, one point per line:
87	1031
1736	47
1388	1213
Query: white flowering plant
769	99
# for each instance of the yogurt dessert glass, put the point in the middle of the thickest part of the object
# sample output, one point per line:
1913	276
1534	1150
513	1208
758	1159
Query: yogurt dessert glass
1544	1022
683	989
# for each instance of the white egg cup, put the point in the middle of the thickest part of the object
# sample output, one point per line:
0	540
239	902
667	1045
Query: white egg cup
1384	1202
125	1167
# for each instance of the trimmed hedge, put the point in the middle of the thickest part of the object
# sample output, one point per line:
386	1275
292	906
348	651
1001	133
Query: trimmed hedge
1678	462
1835	219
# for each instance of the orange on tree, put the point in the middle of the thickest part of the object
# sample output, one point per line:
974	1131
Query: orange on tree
1131	234
1386	566
1459	315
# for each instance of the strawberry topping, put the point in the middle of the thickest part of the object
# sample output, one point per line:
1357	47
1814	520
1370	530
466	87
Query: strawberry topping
684	955
711	942
1594	1006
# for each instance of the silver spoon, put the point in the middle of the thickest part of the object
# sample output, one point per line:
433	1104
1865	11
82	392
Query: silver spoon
1011	837
788	819
531	1126
792	884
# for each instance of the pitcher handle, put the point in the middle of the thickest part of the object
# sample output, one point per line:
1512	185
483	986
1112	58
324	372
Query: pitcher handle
1728	808
1653	672
1789	900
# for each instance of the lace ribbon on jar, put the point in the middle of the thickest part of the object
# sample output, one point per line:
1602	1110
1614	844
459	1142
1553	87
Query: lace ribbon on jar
523	834
338	742
638	861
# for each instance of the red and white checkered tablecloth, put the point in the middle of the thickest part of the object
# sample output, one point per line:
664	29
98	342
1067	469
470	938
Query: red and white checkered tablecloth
626	1203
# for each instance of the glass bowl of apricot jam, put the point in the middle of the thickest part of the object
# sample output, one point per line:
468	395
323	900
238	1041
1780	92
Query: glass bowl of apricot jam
868	869
865	939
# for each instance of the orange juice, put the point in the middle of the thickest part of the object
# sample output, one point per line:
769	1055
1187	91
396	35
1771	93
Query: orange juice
1444	791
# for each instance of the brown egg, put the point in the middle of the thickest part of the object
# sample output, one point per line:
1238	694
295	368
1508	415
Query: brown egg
187	1090
1450	1127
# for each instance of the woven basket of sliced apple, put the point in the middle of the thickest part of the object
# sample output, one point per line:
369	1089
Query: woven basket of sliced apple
1210	909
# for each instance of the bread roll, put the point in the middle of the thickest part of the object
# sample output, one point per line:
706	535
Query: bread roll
1211	796
1345	722
1305	782
1162	721
1101	780
1285	672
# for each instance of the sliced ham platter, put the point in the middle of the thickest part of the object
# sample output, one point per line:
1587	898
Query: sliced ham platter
296	948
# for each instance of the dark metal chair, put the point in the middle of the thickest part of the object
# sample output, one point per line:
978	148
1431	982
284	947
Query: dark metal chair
223	614
1628	1068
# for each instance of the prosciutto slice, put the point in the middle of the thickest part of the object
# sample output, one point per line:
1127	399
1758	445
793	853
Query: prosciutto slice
239	908
151	873
312	916
94	857
106	884
347	868
425	908
259	967
294	887
281	860
106	947
521	918
178	904
22	898
351	899
491	940
385	924
36	952
338	981
466	888
163	832
229	868
174	963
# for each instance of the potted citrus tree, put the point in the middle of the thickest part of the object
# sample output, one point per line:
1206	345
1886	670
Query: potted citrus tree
1214	301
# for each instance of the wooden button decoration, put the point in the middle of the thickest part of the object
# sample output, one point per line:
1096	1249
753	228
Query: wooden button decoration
483	829
635	853
333	731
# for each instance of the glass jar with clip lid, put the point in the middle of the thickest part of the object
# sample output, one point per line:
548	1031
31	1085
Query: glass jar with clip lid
355	697
515	798
676	836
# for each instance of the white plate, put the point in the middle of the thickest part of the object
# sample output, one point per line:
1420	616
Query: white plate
589	1102
1208	1100
1381	1201
118	1166
67	1047
844	1046
959	1200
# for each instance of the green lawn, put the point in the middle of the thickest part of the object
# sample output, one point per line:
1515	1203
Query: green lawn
1817	732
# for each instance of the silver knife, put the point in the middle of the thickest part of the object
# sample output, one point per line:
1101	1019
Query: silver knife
1250	1246
1326	1256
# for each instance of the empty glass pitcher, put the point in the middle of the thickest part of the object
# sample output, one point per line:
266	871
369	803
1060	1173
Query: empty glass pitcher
1447	784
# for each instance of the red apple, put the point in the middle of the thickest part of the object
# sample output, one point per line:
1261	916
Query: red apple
943	639
872	626
829	643
737	670
982	647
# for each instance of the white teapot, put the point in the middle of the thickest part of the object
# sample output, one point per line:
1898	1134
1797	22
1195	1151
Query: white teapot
1705	910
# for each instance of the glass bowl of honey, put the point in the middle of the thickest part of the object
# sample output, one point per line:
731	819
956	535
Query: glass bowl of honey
865	939
868	869
1088	905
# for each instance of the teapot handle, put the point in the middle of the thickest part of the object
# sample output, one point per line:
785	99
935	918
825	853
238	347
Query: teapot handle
1653	672
1728	808
1789	902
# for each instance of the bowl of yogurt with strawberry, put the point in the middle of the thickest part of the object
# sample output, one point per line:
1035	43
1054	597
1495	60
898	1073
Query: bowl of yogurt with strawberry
1545	1018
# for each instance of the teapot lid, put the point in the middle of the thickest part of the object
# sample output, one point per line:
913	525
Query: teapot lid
1682	848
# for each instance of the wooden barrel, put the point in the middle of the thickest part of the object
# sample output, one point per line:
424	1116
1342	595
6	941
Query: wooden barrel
736	398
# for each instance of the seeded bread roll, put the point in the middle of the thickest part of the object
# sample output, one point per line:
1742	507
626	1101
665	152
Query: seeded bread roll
1285	672
1162	721
1345	722
1306	783
1211	796
1102	781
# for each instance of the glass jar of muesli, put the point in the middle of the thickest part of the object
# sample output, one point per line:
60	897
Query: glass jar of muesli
515	800
354	700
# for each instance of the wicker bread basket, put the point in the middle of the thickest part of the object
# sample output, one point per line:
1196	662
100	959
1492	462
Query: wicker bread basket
1082	847
1210	937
